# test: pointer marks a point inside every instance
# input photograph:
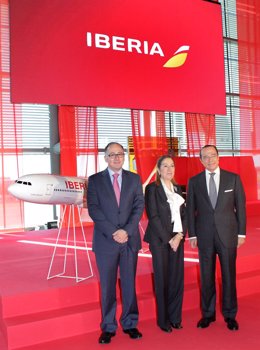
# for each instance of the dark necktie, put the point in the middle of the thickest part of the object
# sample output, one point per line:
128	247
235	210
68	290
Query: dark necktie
213	195
116	187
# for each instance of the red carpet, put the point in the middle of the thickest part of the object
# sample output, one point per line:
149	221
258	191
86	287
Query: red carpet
59	313
216	337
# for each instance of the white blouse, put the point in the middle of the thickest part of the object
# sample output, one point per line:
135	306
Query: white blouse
175	201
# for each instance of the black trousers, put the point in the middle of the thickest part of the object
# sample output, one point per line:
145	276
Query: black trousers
168	267
227	259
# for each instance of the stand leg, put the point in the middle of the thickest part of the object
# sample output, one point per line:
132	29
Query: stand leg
68	246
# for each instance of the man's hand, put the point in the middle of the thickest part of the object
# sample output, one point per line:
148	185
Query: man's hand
120	236
241	240
193	243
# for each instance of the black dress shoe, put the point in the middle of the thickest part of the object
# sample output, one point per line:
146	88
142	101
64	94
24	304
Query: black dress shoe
232	324
166	329
133	333
176	325
204	322
105	337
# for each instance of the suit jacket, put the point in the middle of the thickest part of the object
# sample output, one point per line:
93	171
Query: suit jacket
159	227
229	216
106	214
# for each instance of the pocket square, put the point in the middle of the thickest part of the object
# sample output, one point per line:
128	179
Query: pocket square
229	190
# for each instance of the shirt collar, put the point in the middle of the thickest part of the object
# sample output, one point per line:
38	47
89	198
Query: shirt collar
111	172
216	171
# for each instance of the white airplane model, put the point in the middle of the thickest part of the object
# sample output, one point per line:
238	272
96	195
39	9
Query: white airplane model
50	189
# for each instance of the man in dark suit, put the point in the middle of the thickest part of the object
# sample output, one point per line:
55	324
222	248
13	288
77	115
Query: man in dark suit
217	225
115	203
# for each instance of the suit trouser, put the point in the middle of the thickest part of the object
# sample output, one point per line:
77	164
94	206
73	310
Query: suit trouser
227	259
108	263
168	267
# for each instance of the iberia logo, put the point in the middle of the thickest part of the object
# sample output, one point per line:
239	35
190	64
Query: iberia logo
131	45
179	58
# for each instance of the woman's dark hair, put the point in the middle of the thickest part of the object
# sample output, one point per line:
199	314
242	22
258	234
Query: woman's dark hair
158	165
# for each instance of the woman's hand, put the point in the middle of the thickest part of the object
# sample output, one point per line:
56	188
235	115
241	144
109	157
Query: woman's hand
175	241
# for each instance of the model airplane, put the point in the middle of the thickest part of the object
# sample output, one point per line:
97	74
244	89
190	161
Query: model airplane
50	189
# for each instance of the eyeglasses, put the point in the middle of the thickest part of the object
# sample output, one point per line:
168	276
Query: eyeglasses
213	156
116	155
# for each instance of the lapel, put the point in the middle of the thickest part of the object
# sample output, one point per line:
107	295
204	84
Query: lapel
163	197
162	193
124	185
127	188
221	189
108	185
203	186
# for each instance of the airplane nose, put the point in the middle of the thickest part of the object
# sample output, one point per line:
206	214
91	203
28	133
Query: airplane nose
11	189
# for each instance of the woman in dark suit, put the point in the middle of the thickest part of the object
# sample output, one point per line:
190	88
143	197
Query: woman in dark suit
165	234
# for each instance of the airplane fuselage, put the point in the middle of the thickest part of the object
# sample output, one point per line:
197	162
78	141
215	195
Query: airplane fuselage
50	189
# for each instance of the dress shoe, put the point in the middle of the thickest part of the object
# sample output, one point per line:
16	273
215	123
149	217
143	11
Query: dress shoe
205	322
232	324
177	325
105	337
133	333
166	329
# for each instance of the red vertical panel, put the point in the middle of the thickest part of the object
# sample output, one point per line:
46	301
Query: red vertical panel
147	123
68	161
87	139
67	140
11	209
148	148
78	136
201	130
248	19
248	33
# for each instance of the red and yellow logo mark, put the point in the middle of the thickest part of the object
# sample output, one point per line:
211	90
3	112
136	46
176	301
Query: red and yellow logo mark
179	58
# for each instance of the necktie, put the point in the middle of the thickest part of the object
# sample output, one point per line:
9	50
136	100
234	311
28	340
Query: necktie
212	190
116	187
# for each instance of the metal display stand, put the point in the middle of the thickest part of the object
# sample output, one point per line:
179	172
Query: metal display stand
71	228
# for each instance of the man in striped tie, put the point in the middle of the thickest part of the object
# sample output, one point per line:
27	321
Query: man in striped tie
115	203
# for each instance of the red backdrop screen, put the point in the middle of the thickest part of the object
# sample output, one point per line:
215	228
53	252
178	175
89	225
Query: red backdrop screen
155	55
